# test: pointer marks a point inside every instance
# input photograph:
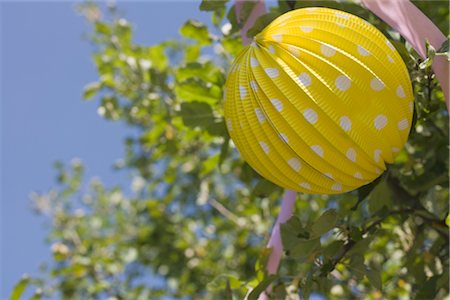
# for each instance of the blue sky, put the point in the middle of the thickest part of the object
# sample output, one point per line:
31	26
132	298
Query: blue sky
44	67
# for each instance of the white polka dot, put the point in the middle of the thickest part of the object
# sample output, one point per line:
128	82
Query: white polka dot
242	92
277	104
310	115
363	51
306	29
230	127
329	175
277	37
254	85
284	137
390	45
390	58
377	155
305	185
253	44
380	121
358	175
272	72
376	84
327	50
271	49
340	25
294	51
378	171
260	115
343	16
400	92
318	150
403	124
351	154
305	79
346	123
395	150
264	146
295	164
254	62
343	82
336	186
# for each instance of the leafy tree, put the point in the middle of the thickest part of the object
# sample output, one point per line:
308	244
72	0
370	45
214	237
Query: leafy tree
196	220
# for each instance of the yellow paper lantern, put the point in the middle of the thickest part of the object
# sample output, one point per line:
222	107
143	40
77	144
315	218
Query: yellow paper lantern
319	102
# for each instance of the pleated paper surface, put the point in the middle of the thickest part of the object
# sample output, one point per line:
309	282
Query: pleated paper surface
319	102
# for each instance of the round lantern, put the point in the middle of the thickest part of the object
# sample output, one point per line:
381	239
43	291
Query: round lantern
319	102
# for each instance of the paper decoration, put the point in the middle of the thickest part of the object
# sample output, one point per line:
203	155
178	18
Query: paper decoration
319	102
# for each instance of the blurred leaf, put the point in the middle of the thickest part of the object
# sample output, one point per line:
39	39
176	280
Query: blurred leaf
257	290
324	223
213	5
194	89
356	266
427	290
304	248
261	23
264	188
220	282
374	278
91	89
196	114
197	31
158	57
380	196
20	287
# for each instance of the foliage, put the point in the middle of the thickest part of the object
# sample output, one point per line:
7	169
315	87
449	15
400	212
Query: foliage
195	219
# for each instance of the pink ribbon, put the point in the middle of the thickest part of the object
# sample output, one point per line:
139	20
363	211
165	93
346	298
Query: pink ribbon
416	28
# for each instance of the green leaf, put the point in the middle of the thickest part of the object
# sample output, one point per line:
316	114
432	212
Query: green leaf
213	5
380	196
304	248
290	231
374	277
196	114
444	50
224	150
357	266
324	223
261	287
365	190
158	57
428	289
307	287
333	248
264	188
194	89
219	283
20	288
359	247
246	10
102	28
91	89
208	72
197	31
209	165
261	23
444	47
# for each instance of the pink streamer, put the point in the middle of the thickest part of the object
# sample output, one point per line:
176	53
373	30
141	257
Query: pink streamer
416	28
258	10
